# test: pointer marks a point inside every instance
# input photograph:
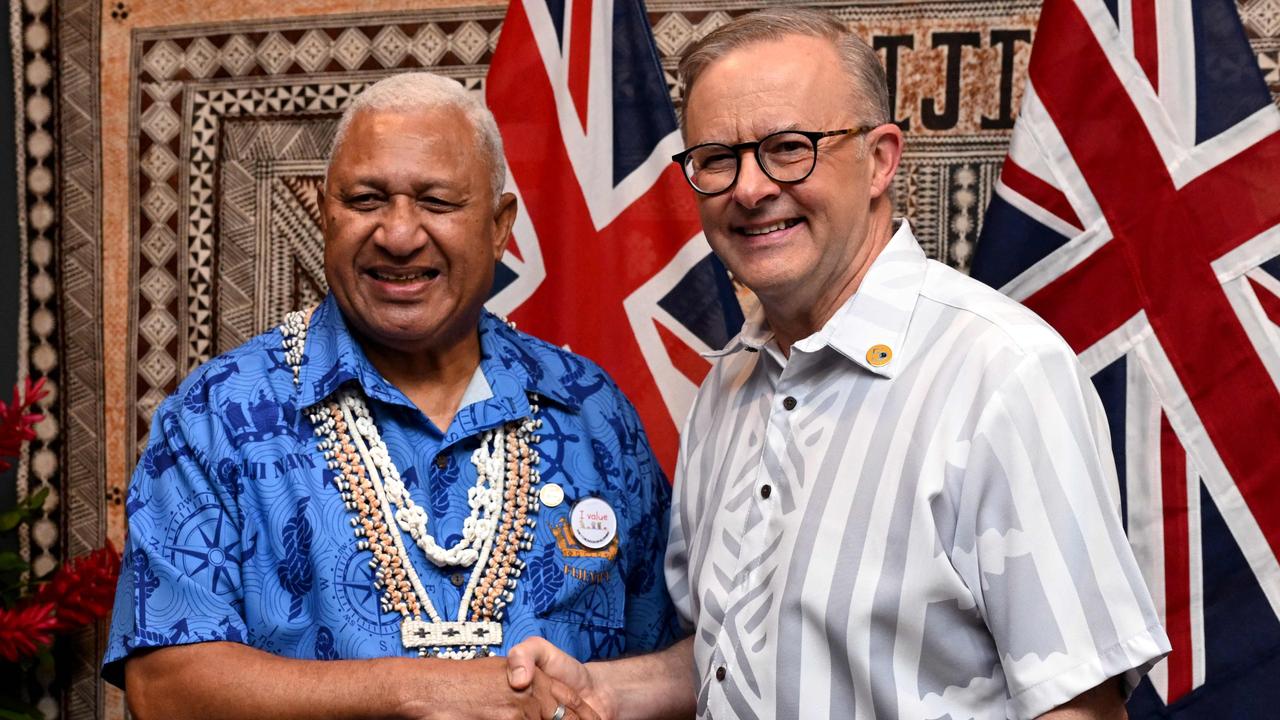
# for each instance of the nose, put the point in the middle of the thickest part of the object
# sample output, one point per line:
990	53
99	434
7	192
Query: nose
401	231
753	186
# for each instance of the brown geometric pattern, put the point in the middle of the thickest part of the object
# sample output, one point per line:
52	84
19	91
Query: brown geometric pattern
228	127
202	292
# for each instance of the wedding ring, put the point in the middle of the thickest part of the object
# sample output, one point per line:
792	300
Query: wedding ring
559	713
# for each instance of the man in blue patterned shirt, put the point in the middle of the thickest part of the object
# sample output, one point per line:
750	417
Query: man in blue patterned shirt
241	570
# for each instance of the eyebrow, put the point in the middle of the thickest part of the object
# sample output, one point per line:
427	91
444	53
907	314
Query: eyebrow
380	183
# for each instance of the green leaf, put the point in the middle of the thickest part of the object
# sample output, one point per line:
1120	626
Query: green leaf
36	501
11	561
26	510
11	519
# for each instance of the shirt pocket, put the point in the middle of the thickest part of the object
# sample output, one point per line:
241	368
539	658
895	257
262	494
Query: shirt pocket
582	586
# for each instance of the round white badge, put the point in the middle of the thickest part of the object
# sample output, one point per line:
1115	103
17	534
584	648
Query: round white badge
594	523
551	495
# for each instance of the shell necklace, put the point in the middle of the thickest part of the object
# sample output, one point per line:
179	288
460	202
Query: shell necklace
500	525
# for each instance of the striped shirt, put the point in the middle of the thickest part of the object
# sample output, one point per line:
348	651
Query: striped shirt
915	515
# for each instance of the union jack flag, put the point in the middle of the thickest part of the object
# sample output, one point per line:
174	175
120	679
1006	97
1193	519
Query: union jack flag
1138	212
609	257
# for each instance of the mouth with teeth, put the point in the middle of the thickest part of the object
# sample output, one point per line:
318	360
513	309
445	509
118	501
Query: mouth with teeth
404	276
771	228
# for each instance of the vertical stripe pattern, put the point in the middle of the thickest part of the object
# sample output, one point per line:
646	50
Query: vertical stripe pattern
933	535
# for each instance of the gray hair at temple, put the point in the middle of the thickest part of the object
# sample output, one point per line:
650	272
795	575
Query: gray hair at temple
861	63
407	92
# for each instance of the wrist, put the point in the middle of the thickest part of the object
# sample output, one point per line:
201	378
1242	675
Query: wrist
603	697
409	687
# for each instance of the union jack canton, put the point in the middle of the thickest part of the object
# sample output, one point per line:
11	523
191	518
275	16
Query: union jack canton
609	257
1138	213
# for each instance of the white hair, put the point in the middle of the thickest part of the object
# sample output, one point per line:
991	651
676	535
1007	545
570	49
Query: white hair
406	92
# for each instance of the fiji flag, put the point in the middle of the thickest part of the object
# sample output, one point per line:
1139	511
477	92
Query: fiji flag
608	258
1139	213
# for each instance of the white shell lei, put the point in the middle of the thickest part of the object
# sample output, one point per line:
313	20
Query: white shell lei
500	524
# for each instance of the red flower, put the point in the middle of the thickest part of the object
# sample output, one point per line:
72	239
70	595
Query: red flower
16	422
25	629
82	591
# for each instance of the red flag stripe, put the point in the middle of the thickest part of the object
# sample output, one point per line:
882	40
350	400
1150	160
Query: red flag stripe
689	363
1168	252
1269	302
1146	44
1030	186
1238	197
1088	301
1177	563
590	271
580	57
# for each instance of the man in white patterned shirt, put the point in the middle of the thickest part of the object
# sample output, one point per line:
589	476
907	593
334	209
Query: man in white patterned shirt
895	495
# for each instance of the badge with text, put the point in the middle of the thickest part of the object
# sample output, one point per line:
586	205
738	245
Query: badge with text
594	523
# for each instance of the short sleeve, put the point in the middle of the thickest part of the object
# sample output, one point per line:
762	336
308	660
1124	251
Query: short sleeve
180	579
676	565
650	617
1052	572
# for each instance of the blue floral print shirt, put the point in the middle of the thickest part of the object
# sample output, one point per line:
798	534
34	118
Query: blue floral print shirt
237	532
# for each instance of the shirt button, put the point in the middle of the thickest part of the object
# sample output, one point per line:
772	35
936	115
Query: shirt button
789	403
765	492
457	579
720	673
442	461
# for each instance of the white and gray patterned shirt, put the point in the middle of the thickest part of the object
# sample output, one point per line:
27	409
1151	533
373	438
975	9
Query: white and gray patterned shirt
927	529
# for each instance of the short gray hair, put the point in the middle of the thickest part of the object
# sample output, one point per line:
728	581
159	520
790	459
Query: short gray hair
861	63
406	92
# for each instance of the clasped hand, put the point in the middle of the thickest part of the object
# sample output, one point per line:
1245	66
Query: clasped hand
536	659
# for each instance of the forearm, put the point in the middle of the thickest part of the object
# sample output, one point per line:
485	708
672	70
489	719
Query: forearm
226	681
648	687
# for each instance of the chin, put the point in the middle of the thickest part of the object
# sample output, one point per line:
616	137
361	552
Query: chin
769	280
411	333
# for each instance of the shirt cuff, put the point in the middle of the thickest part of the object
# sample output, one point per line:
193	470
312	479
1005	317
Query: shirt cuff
1131	658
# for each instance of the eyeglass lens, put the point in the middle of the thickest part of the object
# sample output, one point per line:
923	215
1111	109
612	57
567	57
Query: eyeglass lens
784	156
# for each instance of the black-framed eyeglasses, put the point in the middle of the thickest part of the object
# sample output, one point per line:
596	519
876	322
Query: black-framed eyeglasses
788	156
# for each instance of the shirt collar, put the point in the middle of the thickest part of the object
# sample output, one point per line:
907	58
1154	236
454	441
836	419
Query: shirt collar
509	360
508	368
333	357
753	336
878	314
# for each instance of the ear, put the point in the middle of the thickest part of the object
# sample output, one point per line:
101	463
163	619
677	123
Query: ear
884	143
503	218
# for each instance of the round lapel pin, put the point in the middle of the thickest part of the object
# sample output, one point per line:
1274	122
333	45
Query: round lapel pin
594	523
551	495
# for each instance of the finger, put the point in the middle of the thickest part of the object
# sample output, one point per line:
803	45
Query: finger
522	660
555	662
548	695
572	700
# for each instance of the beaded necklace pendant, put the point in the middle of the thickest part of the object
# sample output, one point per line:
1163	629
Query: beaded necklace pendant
500	526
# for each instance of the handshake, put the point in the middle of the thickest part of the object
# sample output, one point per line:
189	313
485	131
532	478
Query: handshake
548	676
545	683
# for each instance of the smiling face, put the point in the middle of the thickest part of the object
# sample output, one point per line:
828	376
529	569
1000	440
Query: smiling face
410	228
790	243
